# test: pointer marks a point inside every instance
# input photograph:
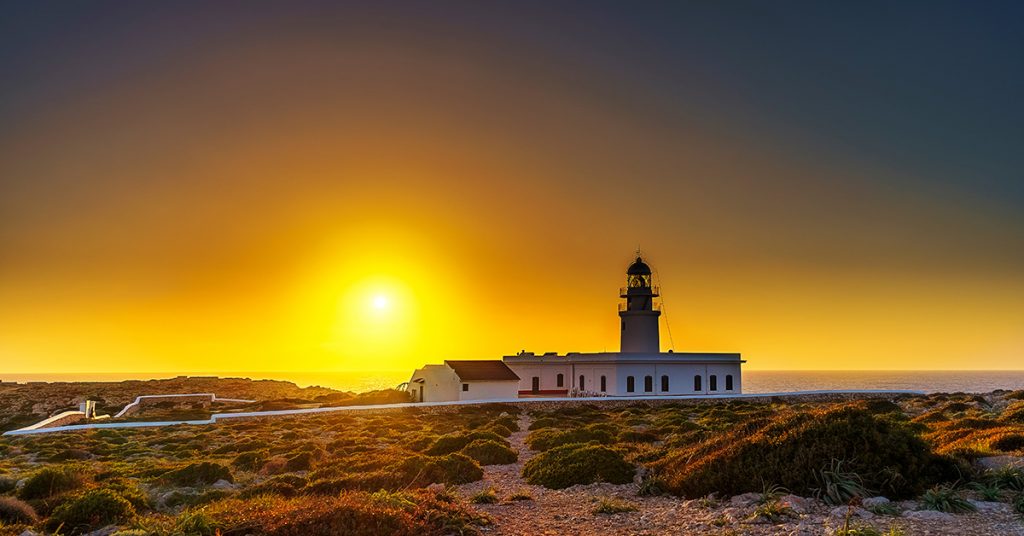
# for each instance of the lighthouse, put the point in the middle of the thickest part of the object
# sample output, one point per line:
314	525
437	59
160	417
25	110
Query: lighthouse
639	314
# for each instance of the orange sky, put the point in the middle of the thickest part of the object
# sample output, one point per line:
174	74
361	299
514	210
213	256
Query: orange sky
242	208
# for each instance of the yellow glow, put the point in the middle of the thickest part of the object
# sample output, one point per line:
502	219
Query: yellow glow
381	302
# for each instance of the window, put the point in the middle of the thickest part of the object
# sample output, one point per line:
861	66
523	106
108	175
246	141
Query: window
648	384
664	383
604	384
536	384
465	387
696	383
560	380
728	382
713	382
630	384
581	382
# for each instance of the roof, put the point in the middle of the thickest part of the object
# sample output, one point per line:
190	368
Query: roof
482	370
639	267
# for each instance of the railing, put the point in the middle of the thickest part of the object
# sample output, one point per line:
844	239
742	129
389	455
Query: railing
625	307
641	291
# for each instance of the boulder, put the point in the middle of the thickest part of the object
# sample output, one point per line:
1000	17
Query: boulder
872	502
745	499
929	515
999	462
799	504
990	507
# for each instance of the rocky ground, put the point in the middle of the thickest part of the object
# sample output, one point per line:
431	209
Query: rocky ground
571	511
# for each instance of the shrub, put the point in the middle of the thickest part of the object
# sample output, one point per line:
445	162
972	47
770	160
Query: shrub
50	481
521	495
195	523
7	484
91	510
774	511
487	496
251	460
791	448
989	491
1018	503
573	464
451	469
420	513
179	498
1008	442
549	439
450	443
302	461
839	486
499	429
945	498
1011	478
14	512
609	505
488	452
197	474
637	436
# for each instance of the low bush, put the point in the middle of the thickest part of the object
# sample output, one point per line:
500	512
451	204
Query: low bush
197	474
14	512
487	496
488	452
7	484
450	443
1008	442
549	439
792	448
839	486
946	498
637	436
195	523
774	511
573	464
611	505
251	460
1018	503
52	480
419	513
91	510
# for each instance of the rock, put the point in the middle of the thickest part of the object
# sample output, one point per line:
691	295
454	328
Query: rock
908	505
436	488
222	484
856	511
872	502
29	533
929	515
745	499
105	531
990	507
799	504
998	462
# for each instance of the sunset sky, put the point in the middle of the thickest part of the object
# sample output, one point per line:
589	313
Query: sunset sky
231	186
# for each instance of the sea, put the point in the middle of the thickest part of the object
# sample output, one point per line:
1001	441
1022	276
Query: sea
754	381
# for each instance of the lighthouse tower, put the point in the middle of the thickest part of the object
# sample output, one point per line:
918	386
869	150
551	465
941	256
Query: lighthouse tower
639	315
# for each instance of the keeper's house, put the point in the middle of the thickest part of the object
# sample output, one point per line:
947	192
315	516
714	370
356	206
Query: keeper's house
640	368
487	379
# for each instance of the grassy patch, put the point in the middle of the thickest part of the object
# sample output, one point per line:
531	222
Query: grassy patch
573	464
610	505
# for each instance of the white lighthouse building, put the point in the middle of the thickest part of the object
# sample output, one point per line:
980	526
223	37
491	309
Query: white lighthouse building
640	368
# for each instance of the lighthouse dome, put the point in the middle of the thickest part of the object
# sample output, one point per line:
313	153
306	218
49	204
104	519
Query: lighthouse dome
639	267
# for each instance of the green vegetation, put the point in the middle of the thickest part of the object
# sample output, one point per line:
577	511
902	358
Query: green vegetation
610	505
15	512
52	480
489	452
91	510
573	464
197	474
946	498
548	439
487	496
793	447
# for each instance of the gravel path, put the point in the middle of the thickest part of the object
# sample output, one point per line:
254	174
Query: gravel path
570	511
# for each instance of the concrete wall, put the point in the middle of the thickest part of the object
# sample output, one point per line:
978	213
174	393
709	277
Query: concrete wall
489	390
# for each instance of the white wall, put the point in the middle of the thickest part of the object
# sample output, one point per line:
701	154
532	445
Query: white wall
440	384
489	390
547	372
681	378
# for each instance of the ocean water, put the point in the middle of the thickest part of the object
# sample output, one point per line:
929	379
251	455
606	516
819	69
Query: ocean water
754	381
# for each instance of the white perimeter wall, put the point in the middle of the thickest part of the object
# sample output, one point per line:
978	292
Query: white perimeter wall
547	372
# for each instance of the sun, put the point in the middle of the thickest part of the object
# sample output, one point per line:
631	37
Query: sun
380	302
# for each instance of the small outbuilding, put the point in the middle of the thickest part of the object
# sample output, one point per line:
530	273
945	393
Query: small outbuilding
484	379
